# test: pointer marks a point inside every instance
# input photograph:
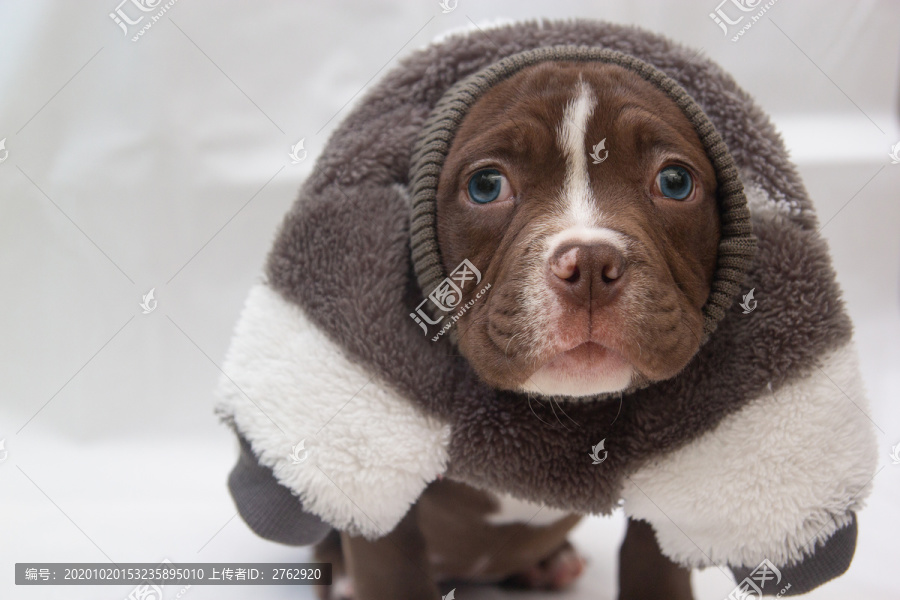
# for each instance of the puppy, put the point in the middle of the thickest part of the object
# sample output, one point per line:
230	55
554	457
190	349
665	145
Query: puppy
601	257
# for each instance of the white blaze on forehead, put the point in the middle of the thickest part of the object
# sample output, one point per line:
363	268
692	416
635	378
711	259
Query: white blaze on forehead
576	192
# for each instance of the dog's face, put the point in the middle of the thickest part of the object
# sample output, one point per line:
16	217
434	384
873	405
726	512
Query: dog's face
599	258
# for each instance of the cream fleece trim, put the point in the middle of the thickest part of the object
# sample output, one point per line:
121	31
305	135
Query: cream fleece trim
367	454
783	471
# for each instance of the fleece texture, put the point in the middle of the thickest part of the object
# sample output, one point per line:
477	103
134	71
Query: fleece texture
328	336
774	483
345	470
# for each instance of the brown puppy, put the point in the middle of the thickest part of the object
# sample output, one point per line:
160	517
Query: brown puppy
600	257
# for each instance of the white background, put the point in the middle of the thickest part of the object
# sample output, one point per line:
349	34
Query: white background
164	164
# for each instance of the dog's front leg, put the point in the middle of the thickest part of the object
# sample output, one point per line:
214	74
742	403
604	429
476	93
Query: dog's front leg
393	567
645	573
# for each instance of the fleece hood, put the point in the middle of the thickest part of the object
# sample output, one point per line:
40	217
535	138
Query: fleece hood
346	412
736	245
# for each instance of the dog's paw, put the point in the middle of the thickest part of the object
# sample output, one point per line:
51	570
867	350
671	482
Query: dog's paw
557	571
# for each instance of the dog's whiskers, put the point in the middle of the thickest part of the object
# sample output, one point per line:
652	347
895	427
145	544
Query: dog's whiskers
559	405
553	410
529	397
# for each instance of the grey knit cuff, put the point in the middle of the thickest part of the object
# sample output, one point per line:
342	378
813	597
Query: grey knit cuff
828	561
269	508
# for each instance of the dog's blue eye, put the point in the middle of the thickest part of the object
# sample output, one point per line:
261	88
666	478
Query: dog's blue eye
485	186
675	182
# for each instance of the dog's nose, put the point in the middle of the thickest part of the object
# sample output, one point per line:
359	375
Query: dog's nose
587	273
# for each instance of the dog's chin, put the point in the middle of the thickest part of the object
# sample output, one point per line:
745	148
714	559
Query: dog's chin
585	370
